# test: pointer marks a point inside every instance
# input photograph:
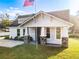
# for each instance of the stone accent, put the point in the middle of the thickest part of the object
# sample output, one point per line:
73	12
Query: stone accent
43	40
65	42
26	39
53	45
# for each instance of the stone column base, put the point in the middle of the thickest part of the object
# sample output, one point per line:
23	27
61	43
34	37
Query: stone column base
43	40
26	39
65	42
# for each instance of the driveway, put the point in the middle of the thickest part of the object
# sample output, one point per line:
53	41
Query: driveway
10	43
4	33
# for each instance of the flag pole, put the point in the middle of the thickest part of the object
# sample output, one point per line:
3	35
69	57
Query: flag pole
36	43
29	3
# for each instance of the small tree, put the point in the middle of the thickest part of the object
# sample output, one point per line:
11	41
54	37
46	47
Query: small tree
5	23
5	20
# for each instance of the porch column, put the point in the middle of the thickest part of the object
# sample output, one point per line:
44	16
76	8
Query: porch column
26	39
43	32
43	35
26	31
21	32
64	37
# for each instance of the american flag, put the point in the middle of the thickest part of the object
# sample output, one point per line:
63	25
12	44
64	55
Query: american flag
28	2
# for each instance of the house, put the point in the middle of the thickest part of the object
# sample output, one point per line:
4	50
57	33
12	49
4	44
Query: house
53	26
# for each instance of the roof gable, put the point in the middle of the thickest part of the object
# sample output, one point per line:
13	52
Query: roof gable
41	12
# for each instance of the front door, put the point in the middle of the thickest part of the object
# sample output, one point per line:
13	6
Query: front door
38	34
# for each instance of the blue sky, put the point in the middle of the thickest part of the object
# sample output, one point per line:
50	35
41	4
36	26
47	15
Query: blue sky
16	6
45	5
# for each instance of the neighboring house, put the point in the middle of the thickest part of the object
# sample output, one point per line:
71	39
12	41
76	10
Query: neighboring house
51	25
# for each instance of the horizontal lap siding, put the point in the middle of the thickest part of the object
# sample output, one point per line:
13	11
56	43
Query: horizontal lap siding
13	32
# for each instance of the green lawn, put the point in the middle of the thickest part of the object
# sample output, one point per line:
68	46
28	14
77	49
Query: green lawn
43	52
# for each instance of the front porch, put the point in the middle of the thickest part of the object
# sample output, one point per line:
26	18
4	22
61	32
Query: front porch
51	36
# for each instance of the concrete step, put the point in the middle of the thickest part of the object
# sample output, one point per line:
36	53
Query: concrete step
53	45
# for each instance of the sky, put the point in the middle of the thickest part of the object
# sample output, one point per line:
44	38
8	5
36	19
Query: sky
74	7
13	7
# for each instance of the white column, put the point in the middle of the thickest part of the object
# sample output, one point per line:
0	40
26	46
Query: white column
65	37
43	32
64	32
26	31
21	31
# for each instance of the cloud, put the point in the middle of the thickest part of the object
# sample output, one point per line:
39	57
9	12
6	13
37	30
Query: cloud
74	6
13	11
1	12
11	8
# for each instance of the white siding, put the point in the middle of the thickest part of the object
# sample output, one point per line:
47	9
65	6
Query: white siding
13	32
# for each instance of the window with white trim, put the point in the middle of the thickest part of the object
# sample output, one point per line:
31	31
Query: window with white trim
58	33
18	32
48	32
23	31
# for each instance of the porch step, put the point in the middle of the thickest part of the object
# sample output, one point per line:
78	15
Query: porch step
53	45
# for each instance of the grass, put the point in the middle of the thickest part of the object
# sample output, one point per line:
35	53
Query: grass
43	52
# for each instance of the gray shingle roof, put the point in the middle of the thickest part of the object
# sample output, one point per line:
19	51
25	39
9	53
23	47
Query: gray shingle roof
25	16
63	14
14	23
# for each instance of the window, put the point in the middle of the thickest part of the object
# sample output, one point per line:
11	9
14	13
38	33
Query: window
23	31
48	32
18	32
58	33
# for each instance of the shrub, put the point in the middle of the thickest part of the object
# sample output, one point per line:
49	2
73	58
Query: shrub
30	38
22	38
73	36
19	38
16	38
6	37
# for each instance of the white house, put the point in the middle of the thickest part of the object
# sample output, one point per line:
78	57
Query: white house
53	26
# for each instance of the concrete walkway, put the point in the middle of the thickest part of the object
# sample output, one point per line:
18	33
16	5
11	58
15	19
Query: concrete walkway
10	43
4	33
